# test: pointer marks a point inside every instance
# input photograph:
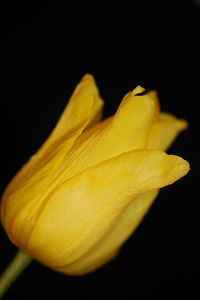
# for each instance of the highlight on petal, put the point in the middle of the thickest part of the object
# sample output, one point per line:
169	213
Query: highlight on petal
154	96
83	208
164	131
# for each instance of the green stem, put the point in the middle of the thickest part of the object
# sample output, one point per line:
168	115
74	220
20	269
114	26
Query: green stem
14	269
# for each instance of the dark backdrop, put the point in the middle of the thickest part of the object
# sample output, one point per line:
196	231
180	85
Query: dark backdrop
44	53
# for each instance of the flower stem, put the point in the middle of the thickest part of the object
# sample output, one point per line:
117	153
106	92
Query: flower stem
14	269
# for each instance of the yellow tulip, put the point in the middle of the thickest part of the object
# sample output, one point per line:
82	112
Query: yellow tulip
80	197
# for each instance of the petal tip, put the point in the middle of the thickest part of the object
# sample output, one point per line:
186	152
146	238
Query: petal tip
181	166
183	124
88	76
138	90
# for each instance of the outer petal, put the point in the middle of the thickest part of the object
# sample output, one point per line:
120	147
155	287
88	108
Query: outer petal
127	130
82	213
164	131
108	247
84	106
31	183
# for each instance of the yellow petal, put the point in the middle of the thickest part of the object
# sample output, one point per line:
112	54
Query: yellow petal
127	130
88	264
164	131
27	191
108	247
83	209
84	108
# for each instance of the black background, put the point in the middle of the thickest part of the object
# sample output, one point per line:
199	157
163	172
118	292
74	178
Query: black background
44	53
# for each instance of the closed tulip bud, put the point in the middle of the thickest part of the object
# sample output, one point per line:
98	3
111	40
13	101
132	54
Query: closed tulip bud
85	191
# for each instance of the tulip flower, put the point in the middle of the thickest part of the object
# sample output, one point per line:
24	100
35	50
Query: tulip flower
80	197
